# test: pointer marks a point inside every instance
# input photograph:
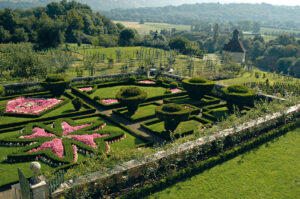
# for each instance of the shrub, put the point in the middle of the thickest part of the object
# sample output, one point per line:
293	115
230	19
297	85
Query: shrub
159	81
238	95
174	85
172	114
97	98
57	84
131	79
2	91
131	97
2	108
197	87
77	103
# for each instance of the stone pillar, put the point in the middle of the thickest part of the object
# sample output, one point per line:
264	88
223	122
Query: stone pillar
40	190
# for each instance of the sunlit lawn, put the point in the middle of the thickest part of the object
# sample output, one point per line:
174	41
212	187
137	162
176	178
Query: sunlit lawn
271	171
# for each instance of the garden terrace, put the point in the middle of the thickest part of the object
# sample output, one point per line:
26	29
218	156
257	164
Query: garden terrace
81	137
35	107
105	94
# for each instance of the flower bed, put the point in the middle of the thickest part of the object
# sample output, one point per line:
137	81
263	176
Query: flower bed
176	90
109	101
146	82
23	105
86	89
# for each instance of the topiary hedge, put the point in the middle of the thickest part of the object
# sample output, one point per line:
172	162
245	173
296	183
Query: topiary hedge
2	91
57	84
131	97
239	95
77	103
172	114
197	87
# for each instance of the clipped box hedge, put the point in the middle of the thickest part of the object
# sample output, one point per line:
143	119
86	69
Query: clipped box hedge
197	87
239	95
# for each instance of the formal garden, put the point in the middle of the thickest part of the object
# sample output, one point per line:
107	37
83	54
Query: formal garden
87	126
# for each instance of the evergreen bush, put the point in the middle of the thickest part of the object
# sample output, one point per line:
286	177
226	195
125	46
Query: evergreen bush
173	85
239	95
159	81
197	87
131	97
77	103
131	79
172	114
57	84
2	91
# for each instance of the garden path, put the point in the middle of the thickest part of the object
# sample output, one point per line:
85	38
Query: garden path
136	126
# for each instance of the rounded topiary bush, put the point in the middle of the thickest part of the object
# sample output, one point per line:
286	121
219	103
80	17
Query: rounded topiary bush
131	79
174	85
57	84
2	91
131	97
197	87
77	103
159	81
172	114
238	95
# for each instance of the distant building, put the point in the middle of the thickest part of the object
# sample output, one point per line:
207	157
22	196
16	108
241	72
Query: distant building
235	49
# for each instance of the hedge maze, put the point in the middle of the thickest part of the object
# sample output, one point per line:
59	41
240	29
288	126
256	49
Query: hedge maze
60	128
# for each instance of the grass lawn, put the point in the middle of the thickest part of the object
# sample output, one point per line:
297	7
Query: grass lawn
250	77
270	171
9	173
142	112
182	128
110	92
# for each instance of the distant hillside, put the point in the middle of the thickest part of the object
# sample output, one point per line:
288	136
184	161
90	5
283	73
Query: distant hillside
212	12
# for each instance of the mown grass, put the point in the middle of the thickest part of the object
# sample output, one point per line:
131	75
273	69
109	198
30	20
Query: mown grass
263	76
142	112
110	92
270	171
9	173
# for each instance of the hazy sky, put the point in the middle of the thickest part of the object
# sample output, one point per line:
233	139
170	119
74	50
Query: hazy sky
274	2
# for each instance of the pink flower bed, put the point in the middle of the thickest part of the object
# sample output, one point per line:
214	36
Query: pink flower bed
75	155
55	145
68	128
30	105
86	89
109	101
176	90
38	133
147	82
188	107
87	139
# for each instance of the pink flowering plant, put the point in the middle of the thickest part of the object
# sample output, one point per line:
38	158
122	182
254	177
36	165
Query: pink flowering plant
146	82
59	143
86	89
109	101
31	106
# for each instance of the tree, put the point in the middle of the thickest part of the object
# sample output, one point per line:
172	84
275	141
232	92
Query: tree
127	37
4	35
178	43
50	29
285	39
256	27
19	36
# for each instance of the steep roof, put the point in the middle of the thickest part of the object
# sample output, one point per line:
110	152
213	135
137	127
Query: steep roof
235	45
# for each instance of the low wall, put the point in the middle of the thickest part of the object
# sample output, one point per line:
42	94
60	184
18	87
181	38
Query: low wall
132	167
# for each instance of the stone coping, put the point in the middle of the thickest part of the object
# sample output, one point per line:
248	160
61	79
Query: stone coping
119	169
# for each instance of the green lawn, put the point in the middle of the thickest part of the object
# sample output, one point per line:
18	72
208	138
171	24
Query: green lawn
142	112
268	172
9	173
110	92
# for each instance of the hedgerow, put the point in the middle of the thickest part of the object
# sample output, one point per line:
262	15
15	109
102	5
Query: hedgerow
197	87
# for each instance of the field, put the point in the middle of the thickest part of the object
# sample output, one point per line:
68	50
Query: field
270	171
145	28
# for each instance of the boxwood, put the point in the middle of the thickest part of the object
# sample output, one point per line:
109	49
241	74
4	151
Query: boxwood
197	87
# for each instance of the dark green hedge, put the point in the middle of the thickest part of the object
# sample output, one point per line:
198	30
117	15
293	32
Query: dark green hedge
239	95
57	84
209	163
197	87
205	101
2	91
131	97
